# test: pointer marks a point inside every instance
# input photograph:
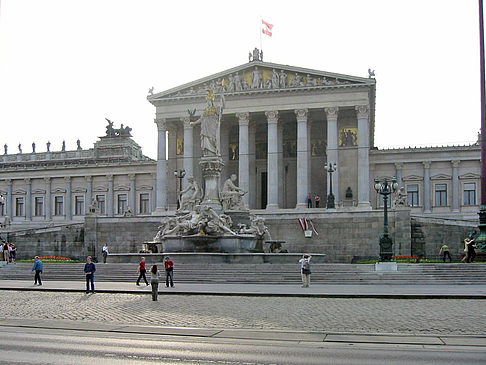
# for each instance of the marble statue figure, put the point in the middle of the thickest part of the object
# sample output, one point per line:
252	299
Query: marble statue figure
190	196
231	195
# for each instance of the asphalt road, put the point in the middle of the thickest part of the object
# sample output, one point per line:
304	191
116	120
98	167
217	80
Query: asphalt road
53	346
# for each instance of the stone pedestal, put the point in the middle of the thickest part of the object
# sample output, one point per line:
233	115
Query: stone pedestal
211	170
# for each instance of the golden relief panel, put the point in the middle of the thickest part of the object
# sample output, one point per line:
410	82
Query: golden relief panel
180	146
348	137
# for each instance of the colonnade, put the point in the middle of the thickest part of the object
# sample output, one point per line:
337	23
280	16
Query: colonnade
274	154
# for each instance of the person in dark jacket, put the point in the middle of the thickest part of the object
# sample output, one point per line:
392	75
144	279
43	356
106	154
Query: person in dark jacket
38	268
89	270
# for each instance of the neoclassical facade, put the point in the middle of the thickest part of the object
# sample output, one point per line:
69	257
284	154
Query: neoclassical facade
280	126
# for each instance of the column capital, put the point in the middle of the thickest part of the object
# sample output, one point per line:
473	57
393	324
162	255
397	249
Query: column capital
161	124
28	181
47	180
363	111
89	178
455	163
172	129
67	179
399	166
109	177
186	122
272	116
301	114
426	164
243	118
131	177
332	112
9	182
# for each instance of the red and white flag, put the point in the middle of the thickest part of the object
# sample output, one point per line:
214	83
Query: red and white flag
267	28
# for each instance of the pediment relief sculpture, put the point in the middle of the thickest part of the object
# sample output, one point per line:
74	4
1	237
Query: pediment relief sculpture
261	77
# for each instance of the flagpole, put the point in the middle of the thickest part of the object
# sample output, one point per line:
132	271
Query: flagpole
260	31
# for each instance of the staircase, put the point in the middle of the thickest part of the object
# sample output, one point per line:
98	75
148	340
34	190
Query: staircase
407	274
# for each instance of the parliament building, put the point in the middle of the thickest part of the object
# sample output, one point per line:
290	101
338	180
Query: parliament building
281	126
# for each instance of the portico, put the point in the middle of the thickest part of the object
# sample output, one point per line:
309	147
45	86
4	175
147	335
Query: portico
276	136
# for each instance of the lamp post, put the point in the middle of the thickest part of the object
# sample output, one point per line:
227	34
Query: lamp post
179	174
384	188
330	168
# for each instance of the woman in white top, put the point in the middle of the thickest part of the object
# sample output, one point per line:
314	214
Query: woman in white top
154	281
305	270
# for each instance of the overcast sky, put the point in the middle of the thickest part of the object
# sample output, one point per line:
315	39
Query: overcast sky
66	65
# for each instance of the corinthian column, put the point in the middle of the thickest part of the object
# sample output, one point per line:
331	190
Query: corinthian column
244	158
302	158
363	157
161	180
332	148
272	160
188	148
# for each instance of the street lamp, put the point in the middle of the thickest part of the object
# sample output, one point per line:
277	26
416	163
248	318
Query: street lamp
384	188
179	174
330	168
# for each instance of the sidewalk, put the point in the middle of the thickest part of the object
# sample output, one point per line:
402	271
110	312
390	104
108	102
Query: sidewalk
288	290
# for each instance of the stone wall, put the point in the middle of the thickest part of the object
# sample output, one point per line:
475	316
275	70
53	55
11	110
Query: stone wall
437	232
344	236
65	241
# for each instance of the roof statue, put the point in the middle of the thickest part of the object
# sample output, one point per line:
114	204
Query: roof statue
121	132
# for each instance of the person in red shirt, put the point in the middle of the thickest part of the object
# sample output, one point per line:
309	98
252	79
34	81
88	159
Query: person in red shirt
142	271
169	272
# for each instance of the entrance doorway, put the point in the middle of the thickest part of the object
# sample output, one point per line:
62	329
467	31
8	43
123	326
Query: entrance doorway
263	196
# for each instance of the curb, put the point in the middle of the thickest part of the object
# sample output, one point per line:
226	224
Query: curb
253	294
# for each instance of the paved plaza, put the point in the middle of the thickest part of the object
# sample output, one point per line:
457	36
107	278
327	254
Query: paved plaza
351	315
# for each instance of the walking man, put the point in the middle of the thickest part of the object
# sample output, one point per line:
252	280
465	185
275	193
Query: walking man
169	272
38	267
142	270
89	270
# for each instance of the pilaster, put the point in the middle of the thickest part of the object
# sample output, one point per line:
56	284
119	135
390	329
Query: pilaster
427	201
28	199
69	210
455	186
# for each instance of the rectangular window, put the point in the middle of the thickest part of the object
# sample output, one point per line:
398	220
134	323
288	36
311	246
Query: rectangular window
122	203
19	207
413	195
144	203
79	205
100	202
470	194
39	206
58	205
441	195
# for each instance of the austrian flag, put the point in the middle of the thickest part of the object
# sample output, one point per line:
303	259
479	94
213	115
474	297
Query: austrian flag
267	28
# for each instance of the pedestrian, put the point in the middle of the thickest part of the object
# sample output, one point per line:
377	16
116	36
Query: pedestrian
470	246
38	268
13	252
142	271
154	281
169	272
89	270
105	252
444	251
309	200
317	199
305	269
5	251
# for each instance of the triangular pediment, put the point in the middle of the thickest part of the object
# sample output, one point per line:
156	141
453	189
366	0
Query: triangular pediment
258	76
412	178
470	176
440	177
